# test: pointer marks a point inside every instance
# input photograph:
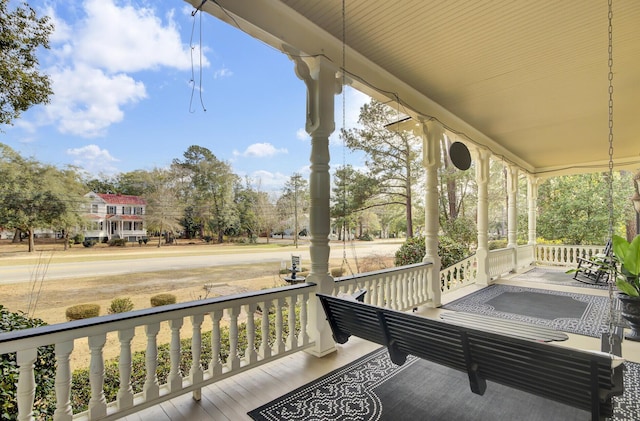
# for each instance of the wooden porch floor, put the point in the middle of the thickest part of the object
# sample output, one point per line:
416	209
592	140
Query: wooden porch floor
231	399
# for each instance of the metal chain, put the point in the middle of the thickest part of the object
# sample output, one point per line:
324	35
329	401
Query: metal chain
612	269
344	128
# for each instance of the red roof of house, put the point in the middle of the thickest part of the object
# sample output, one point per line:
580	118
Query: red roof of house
122	199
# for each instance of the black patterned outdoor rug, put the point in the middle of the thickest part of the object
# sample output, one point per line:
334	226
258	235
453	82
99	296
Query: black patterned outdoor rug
565	311
556	276
372	388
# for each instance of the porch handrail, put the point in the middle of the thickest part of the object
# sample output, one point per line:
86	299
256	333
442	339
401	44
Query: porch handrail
26	343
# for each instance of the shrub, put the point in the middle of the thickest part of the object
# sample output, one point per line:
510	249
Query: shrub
410	252
365	237
120	305
118	242
44	371
337	272
163	300
78	238
89	243
82	311
497	244
413	251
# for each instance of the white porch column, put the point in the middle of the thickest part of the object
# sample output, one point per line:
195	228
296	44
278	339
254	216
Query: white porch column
482	180
512	212
319	74
432	133
532	205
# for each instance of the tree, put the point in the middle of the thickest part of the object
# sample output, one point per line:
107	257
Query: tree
294	202
211	186
34	195
164	210
351	193
72	189
22	85
392	156
104	184
454	185
575	208
248	213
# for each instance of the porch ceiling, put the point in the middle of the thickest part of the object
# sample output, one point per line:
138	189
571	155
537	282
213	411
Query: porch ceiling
528	80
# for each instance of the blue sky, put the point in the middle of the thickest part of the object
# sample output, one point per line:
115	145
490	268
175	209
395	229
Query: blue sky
122	75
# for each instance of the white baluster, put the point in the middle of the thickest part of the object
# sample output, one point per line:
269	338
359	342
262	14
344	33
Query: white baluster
215	365
233	362
125	392
250	354
26	383
393	292
150	388
400	281
175	377
97	403
279	345
303	319
373	294
196	374
292	338
63	410
265	348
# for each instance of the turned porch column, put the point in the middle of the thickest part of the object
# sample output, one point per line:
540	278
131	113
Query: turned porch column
512	213
482	180
432	133
320	77
532	205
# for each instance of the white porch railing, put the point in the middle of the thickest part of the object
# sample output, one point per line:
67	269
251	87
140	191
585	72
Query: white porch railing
565	255
400	288
459	275
525	256
500	262
228	311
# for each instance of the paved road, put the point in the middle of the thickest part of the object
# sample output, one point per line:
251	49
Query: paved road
25	272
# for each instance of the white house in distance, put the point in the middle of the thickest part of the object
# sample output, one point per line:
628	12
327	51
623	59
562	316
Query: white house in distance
114	216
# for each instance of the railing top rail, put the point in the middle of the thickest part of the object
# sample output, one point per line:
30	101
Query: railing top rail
380	272
501	250
44	335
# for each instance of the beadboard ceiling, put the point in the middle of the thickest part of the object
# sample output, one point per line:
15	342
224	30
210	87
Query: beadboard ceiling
526	79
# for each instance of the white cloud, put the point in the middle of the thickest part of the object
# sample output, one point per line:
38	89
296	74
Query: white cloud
267	181
88	101
93	159
96	49
130	39
222	73
302	134
260	150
